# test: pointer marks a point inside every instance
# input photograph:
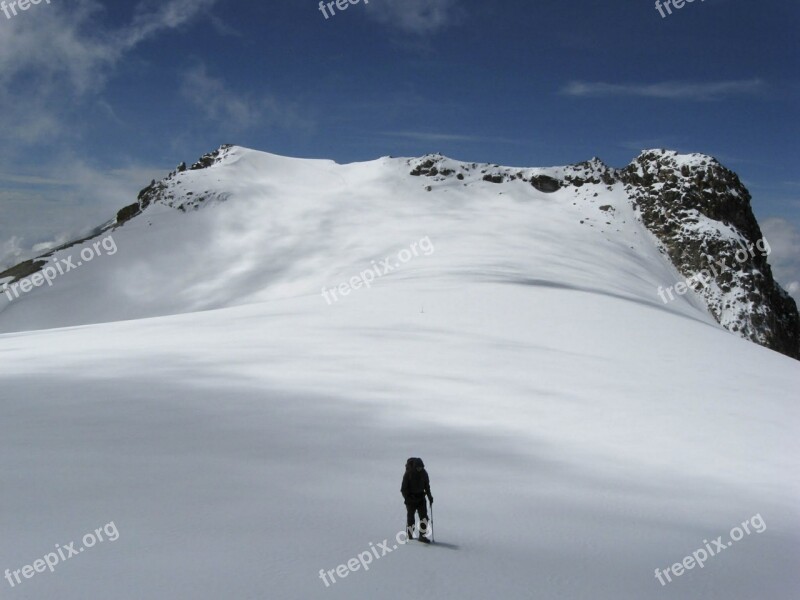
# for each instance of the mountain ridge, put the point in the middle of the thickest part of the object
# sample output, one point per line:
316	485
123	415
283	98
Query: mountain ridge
696	212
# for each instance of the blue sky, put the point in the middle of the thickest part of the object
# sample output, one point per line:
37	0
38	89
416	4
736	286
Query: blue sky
100	97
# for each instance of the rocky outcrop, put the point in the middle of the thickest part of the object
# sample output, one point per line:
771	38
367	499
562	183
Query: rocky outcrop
441	168
164	191
700	214
24	269
208	160
546	184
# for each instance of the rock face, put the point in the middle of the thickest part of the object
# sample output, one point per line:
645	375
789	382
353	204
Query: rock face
700	214
164	190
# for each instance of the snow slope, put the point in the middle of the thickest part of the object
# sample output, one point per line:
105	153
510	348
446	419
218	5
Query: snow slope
243	433
291	226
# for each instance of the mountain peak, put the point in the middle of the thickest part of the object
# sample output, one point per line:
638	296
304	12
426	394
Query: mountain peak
700	213
585	226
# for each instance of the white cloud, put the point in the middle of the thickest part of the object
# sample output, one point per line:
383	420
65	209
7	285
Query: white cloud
414	16
424	136
54	46
168	15
235	111
38	214
671	90
430	137
54	60
217	101
784	240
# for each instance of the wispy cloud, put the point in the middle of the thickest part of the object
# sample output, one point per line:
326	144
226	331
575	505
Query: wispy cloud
415	16
670	90
672	142
37	213
169	15
784	240
217	102
14	178
58	62
237	111
54	65
424	136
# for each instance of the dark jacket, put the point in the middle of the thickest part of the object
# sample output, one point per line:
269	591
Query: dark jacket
416	484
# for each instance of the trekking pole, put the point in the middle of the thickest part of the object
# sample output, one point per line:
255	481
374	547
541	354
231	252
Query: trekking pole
432	531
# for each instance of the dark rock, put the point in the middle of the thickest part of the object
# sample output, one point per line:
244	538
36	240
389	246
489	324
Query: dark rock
24	269
767	314
546	184
212	158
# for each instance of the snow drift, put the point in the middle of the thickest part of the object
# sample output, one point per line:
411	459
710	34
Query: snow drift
243	433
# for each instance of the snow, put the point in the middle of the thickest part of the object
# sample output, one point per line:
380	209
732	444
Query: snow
243	434
680	160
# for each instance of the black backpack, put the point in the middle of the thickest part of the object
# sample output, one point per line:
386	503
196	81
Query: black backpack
413	462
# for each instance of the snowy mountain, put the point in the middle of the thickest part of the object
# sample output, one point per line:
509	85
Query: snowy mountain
234	370
694	211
